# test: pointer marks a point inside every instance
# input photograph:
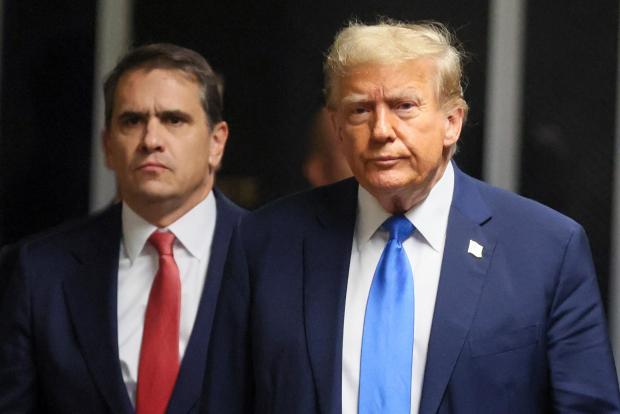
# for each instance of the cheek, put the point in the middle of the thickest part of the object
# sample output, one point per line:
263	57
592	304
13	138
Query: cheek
356	138
198	156
115	155
351	151
125	145
424	142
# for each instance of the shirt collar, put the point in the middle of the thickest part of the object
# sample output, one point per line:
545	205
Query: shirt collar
189	230
429	217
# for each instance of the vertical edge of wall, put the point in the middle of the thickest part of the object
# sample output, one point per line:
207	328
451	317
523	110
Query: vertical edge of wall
113	37
502	140
614	274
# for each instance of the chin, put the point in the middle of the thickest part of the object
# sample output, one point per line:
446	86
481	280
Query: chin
389	183
153	194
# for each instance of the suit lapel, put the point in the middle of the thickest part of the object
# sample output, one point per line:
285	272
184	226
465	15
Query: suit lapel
91	298
188	387
460	285
326	255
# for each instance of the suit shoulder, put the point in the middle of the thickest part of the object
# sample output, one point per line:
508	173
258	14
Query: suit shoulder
73	232
518	212
299	207
228	207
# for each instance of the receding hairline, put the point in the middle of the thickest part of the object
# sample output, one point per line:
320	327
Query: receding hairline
188	75
167	56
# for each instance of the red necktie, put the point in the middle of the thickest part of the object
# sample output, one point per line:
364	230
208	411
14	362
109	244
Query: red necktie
159	354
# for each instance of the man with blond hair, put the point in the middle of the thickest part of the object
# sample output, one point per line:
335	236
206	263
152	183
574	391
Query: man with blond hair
411	288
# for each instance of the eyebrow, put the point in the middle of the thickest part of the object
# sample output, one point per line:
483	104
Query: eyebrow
160	114
132	114
407	93
355	98
177	113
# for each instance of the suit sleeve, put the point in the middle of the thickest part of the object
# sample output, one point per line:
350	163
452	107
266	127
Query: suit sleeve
583	377
229	385
17	368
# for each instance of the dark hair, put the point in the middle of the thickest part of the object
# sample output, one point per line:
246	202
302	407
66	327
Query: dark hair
169	56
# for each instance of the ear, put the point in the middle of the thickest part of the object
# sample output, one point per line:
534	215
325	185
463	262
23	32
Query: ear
107	147
454	123
218	138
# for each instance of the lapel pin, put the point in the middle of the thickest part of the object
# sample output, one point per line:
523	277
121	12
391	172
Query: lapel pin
475	249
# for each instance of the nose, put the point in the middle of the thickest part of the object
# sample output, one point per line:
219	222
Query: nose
382	129
152	139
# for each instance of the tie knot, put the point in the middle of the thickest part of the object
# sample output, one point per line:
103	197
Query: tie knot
162	241
399	227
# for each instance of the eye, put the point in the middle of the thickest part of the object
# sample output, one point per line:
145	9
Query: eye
173	119
406	109
358	114
130	120
406	106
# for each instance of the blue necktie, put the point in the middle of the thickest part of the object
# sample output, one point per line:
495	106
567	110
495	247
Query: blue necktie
387	342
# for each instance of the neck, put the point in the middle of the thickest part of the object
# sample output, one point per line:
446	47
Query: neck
162	213
403	200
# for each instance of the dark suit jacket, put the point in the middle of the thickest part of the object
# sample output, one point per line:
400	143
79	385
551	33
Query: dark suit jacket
8	260
58	330
519	330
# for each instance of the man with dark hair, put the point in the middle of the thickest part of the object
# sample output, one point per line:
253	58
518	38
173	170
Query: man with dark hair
114	312
412	287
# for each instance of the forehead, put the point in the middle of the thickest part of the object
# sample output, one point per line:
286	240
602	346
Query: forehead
372	79
139	87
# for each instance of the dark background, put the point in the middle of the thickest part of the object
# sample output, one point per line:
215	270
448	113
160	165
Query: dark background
270	54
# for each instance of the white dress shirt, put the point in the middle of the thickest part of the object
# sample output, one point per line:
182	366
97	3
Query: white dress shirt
425	252
138	264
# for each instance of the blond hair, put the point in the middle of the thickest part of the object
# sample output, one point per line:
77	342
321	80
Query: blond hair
390	42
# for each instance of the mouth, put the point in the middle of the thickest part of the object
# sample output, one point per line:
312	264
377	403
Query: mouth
385	161
152	167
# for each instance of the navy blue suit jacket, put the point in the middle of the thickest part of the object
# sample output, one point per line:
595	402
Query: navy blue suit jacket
519	330
58	330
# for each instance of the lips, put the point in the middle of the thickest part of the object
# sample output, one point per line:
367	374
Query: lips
385	161
152	167
386	158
